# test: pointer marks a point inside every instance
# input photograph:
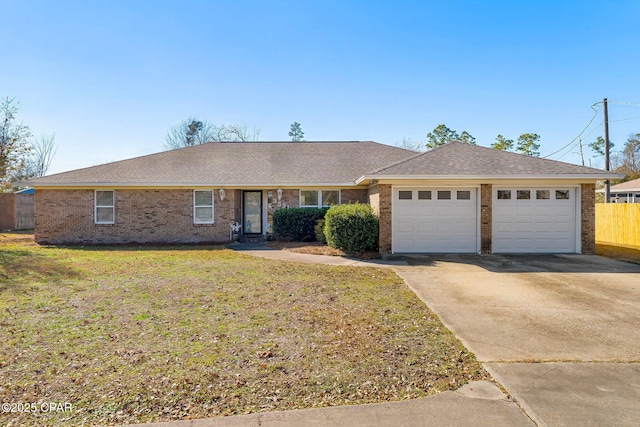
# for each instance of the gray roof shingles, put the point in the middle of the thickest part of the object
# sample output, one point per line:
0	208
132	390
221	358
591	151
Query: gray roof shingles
309	164
241	163
460	159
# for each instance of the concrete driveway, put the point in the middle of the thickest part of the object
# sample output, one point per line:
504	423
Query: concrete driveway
561	333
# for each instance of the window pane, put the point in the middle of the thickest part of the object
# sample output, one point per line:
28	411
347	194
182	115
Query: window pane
330	197
104	215
104	198
424	195
405	195
464	195
523	194
562	194
308	198
204	198
204	214
542	194
444	195
504	194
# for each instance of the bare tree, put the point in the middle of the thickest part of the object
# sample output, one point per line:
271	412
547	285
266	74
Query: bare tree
411	145
14	141
195	132
43	149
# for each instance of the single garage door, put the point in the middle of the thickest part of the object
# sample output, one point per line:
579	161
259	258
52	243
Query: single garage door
534	220
435	220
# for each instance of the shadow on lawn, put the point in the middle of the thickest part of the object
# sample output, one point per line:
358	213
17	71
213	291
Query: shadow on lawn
19	264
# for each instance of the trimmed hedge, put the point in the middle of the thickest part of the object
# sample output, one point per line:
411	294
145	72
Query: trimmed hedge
319	229
351	228
297	224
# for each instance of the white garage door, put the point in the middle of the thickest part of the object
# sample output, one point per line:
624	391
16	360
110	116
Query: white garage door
435	220
534	220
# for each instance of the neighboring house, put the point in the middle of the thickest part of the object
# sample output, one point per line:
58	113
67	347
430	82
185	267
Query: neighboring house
17	210
626	192
456	198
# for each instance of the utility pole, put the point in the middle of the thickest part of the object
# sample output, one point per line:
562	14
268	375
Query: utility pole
607	184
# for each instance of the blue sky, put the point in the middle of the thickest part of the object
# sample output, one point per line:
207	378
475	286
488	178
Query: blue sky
109	78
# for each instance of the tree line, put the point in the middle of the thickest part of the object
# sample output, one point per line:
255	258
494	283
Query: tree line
194	131
22	155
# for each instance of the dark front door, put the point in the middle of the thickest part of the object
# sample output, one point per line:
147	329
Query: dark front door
252	212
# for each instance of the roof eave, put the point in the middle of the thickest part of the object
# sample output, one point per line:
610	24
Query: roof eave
490	177
188	184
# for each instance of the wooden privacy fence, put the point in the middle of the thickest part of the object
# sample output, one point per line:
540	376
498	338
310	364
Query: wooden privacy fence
618	223
16	211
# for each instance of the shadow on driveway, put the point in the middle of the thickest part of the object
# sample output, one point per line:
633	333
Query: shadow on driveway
529	263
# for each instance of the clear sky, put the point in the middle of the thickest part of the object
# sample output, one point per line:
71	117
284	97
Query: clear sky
110	77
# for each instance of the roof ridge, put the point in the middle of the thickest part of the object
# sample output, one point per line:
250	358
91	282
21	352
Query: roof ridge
423	153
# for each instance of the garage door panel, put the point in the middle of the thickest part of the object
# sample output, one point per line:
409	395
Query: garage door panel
436	225
534	225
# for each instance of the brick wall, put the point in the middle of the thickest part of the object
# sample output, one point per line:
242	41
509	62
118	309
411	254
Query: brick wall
588	218
486	212
353	195
141	216
380	199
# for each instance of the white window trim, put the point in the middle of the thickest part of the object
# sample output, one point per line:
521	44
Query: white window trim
319	191
195	218
96	206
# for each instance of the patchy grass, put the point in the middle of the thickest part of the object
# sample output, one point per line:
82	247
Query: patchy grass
131	335
624	253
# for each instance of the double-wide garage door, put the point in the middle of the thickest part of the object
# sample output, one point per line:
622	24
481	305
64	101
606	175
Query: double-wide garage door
445	220
435	220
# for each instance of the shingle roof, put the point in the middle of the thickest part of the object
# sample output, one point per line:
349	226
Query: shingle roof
242	164
630	186
458	159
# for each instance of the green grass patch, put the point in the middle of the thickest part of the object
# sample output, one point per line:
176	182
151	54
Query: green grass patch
132	335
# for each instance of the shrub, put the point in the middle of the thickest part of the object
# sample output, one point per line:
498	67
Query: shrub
351	228
297	224
319	229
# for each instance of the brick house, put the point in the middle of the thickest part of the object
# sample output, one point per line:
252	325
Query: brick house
457	198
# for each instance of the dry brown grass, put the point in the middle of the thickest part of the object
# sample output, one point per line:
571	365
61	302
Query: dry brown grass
131	335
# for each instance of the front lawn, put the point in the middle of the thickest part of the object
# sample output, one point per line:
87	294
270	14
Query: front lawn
126	335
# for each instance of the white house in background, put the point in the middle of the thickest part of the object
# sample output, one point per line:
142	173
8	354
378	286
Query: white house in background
627	192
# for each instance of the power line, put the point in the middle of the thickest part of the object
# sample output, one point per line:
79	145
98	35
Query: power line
633	104
581	132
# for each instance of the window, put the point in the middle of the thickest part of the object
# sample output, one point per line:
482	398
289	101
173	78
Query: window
330	197
523	194
542	194
504	194
319	198
203	207
562	194
424	195
444	195
104	207
464	195
405	195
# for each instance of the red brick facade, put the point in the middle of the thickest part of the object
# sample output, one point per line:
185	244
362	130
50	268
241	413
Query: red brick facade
141	216
486	218
380	200
588	218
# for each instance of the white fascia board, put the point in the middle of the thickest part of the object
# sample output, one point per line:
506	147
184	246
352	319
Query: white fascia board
626	190
490	177
190	185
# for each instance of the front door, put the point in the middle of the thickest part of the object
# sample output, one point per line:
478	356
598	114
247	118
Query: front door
252	212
